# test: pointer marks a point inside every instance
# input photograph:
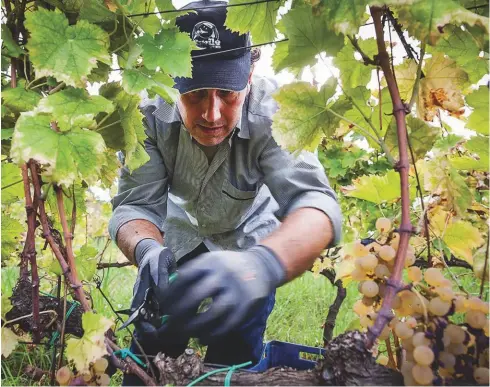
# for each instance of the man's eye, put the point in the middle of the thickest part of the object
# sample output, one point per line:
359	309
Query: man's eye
227	93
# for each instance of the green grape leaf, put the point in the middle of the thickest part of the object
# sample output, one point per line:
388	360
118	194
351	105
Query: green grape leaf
479	158
11	235
440	178
19	99
422	137
95	11
67	156
365	111
281	61
448	142
6	134
441	88
68	53
129	134
9	341
308	36
91	345
74	107
135	80
425	19
109	170
305	116
11	46
84	261
354	72
168	19
149	23
100	73
346	16
131	60
259	19
170	50
460	46
377	189
12	184
478	120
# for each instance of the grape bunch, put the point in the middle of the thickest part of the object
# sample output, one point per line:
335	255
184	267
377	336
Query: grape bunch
435	349
94	376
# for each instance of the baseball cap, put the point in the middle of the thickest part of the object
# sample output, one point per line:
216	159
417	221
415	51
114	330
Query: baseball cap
214	66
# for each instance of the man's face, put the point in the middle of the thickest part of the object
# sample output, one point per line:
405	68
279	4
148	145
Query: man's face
211	114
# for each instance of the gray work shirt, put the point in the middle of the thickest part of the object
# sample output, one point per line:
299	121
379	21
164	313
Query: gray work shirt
232	202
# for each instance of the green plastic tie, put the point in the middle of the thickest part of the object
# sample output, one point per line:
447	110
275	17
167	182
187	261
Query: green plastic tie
230	371
56	334
125	352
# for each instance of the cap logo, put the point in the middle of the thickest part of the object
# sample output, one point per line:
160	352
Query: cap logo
205	34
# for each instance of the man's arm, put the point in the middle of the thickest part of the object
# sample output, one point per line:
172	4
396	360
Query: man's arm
132	232
300	239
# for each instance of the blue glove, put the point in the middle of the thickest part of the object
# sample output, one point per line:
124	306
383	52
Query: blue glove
238	283
155	264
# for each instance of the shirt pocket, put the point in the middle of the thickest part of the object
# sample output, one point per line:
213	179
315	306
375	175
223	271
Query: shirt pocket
236	204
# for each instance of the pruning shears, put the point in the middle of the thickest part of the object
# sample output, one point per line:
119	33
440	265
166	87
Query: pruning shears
148	311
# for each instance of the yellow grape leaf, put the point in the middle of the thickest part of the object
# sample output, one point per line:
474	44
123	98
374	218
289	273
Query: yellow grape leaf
320	264
441	88
91	345
377	189
440	178
346	266
6	304
459	236
479	263
9	341
406	73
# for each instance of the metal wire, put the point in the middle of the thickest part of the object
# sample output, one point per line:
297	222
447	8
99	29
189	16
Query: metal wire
201	8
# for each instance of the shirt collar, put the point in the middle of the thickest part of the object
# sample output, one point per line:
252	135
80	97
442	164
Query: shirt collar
170	114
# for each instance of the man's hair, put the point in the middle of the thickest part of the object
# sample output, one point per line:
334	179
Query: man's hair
254	55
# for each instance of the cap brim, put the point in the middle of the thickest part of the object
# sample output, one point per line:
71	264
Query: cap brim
227	74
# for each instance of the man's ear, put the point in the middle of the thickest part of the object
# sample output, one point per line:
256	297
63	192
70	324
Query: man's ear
251	73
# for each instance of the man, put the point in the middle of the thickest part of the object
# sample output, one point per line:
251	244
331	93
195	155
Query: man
212	197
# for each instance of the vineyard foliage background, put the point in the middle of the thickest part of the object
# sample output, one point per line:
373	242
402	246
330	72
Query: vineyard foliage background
54	52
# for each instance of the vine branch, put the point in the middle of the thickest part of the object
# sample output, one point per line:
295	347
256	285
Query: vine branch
29	252
399	111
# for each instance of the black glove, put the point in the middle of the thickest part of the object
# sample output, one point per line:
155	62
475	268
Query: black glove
238	282
155	264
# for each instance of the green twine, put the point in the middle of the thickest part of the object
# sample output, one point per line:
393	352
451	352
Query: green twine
229	374
127	352
56	334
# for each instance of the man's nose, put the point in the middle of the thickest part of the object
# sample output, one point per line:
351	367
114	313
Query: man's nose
212	107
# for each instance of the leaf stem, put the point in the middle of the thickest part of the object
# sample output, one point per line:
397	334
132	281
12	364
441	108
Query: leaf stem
364	131
11	184
367	60
57	88
416	85
485	265
104	127
30	315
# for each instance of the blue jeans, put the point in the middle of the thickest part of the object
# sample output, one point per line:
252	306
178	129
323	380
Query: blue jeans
243	344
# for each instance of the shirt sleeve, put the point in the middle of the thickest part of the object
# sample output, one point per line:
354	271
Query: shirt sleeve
143	193
299	181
